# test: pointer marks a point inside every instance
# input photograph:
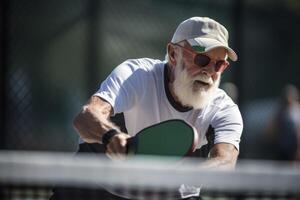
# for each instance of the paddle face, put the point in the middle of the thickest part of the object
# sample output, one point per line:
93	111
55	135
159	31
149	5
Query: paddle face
168	138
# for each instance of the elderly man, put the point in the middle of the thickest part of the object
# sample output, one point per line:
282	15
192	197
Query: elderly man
184	86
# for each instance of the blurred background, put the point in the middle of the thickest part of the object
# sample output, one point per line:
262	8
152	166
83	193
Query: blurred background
55	54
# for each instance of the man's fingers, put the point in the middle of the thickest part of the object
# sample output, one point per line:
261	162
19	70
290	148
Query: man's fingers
109	153
116	148
115	155
118	144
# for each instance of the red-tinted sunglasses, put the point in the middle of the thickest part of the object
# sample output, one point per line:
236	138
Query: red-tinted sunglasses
202	60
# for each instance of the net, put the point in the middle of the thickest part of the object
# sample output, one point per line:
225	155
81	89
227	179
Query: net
37	175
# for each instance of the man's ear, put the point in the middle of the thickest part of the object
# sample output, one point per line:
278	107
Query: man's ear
171	54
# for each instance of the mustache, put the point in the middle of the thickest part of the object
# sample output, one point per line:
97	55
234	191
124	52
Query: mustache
203	78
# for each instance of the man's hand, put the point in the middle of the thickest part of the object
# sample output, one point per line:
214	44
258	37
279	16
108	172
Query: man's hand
116	148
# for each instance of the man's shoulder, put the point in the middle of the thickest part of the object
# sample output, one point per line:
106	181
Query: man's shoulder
222	99
138	69
147	64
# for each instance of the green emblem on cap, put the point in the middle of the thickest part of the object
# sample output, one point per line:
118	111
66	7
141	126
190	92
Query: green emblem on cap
199	48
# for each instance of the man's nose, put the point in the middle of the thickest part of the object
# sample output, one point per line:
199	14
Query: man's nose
209	70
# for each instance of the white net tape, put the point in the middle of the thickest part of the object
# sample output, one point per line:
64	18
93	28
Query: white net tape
92	171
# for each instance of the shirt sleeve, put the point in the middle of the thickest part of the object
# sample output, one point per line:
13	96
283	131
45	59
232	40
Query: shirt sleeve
123	86
228	125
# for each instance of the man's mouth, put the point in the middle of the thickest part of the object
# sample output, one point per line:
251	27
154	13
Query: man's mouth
201	83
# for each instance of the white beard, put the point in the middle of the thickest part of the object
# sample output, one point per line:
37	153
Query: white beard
191	93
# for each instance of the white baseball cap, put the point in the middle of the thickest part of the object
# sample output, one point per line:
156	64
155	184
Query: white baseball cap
203	34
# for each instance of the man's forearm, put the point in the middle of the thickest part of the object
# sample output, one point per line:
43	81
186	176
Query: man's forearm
93	120
218	163
222	156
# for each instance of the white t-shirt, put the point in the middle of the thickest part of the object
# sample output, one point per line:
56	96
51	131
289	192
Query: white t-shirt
138	89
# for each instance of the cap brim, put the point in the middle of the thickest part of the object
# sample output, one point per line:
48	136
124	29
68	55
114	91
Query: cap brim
210	44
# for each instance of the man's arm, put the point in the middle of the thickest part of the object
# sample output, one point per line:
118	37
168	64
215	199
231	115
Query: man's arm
221	156
94	120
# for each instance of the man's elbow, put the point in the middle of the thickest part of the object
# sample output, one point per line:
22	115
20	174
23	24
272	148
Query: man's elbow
78	120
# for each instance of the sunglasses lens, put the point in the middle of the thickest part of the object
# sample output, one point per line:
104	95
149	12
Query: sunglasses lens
221	65
201	60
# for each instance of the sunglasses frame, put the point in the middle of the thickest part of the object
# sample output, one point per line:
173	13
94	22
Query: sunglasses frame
219	65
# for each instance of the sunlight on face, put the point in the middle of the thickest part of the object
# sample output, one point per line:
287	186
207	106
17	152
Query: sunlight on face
194	91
